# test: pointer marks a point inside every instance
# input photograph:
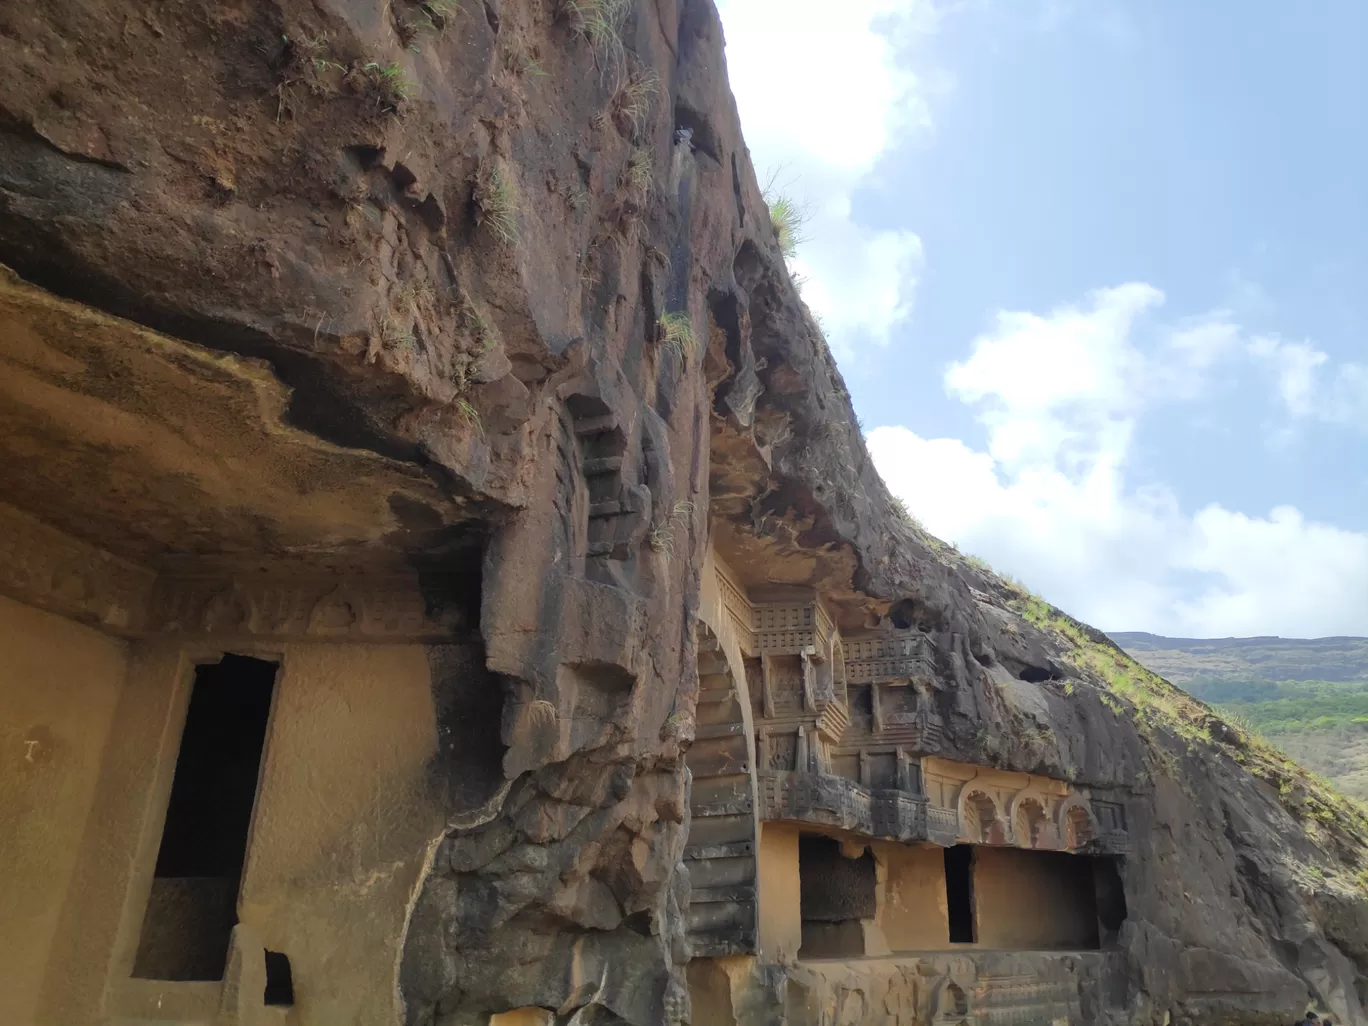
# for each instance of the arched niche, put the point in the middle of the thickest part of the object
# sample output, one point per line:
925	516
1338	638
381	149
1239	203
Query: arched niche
1075	822
950	1003
1030	821
980	818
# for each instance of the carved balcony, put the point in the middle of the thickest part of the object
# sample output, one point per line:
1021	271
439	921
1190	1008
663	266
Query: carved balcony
893	656
825	800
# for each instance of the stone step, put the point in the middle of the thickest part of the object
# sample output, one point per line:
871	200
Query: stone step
602	465
734	893
735	918
739	807
740	849
717	944
610	508
587	426
718	730
710	713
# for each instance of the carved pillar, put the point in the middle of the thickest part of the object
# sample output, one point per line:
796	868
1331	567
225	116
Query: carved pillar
864	768
762	750
802	761
877	708
808	700
904	771
766	686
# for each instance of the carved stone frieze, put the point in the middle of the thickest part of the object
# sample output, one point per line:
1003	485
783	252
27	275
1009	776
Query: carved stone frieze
369	608
43	567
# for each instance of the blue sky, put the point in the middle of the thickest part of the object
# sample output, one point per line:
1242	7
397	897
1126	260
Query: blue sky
1095	272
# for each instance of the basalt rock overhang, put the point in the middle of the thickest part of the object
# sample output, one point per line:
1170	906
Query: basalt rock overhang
162	452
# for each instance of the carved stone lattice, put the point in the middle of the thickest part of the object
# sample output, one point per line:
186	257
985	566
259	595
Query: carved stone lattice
889	656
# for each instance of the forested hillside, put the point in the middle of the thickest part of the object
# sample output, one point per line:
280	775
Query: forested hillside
1310	697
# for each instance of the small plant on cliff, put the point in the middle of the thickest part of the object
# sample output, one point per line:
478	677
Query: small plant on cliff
432	18
469	414
497	198
600	22
631	102
978	563
661	535
309	62
387	83
398	337
903	514
786	214
639	172
676	334
788	218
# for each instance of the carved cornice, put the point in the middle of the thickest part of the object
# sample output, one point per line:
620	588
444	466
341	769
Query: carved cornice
43	567
364	608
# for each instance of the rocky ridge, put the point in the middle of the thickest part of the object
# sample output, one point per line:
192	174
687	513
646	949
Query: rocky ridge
465	236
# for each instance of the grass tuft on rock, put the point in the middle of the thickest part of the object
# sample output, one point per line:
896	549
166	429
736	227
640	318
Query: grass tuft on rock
600	22
1337	822
676	334
497	198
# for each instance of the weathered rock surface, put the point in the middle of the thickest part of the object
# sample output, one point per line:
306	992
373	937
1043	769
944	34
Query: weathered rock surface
453	232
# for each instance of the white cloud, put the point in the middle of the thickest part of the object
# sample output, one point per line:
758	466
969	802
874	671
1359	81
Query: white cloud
1309	387
1050	499
822	125
859	283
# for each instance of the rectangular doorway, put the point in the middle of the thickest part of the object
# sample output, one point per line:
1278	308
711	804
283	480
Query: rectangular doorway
959	893
192	909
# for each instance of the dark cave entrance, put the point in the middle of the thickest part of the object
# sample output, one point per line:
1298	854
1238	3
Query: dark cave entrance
959	892
192	908
1023	899
467	769
835	894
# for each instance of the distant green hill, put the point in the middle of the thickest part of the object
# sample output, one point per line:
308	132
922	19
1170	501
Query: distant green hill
1310	697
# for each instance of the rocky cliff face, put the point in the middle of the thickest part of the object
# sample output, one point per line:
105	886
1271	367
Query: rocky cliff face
520	247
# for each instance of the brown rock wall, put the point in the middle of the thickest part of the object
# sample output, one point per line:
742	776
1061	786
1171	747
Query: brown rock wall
453	230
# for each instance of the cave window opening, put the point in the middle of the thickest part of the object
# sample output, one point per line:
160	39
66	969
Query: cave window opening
835	894
1028	899
468	767
279	980
192	908
959	893
1111	899
903	614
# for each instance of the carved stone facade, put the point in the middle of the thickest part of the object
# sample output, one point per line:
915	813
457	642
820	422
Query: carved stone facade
847	746
847	736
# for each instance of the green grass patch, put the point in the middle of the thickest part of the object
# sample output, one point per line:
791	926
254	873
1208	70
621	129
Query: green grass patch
677	335
497	197
1338	822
